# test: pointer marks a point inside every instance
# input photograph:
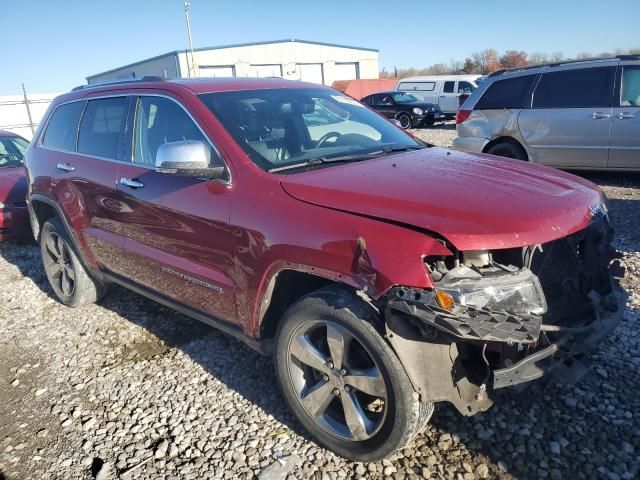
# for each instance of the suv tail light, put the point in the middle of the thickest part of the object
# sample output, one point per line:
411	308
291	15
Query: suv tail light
462	115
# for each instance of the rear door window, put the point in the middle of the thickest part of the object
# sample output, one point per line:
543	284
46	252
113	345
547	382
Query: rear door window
102	126
448	87
62	127
465	87
579	88
630	94
508	93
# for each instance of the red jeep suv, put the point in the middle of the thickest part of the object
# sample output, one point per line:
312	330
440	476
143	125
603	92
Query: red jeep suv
383	274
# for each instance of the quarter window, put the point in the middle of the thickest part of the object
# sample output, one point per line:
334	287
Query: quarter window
580	88
508	93
101	126
630	87
160	120
448	87
62	127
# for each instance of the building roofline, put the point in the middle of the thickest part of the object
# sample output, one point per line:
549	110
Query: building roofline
233	45
157	57
285	40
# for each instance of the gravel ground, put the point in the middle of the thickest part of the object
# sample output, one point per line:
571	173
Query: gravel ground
129	389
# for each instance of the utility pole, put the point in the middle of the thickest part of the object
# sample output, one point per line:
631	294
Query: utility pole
26	104
187	7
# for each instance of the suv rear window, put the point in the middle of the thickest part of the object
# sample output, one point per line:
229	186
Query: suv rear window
580	88
62	127
101	126
508	93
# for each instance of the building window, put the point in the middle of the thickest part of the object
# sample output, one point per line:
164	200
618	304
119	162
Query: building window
347	71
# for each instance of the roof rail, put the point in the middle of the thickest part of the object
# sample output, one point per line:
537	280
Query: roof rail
563	62
147	78
629	56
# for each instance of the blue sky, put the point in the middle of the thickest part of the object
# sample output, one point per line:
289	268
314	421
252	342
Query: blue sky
52	45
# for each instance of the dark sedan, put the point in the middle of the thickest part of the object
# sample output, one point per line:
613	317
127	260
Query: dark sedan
405	108
14	218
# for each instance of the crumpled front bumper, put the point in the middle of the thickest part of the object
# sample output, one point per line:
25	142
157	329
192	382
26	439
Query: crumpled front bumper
564	357
431	347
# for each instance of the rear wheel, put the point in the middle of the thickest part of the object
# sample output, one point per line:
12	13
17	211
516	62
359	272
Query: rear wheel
508	150
342	380
405	121
68	278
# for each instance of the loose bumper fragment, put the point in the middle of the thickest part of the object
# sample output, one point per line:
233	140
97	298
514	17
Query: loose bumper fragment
467	323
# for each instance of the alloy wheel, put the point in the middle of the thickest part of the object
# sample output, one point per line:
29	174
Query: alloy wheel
59	265
337	380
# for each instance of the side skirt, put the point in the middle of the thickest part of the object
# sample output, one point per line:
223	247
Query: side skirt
264	347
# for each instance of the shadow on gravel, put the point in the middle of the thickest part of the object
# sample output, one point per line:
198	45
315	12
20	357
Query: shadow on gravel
223	357
439	126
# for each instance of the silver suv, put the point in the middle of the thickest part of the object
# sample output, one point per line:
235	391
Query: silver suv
572	115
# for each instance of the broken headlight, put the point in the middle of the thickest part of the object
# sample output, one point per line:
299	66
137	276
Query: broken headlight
517	291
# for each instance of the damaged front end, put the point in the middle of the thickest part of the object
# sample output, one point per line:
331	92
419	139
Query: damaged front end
506	317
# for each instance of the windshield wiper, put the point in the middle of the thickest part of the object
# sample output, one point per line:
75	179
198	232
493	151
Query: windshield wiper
352	157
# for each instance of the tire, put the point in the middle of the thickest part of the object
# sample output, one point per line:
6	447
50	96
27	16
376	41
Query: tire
405	121
387	419
68	278
508	150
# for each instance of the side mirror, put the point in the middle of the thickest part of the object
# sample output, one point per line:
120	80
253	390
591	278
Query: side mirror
188	158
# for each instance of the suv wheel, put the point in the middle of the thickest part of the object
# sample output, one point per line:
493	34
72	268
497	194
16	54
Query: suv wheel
342	380
68	278
405	121
508	150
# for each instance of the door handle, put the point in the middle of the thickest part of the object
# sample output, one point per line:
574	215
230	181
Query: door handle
131	183
66	167
623	115
598	115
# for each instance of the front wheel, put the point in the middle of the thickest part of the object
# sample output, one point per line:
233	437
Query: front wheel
342	380
405	121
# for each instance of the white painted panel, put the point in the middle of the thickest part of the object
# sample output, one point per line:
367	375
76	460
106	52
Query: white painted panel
311	72
265	70
226	71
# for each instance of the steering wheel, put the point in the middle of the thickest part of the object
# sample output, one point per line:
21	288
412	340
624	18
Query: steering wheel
326	137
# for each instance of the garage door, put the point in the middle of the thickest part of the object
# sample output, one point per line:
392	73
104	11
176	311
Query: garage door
311	72
347	71
265	70
217	71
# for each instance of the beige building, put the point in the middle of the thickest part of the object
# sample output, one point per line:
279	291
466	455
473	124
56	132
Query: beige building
293	59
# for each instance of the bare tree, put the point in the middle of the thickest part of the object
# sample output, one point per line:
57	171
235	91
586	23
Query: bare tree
557	56
538	58
455	66
487	60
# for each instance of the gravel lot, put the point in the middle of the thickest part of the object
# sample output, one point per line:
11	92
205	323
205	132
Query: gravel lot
129	389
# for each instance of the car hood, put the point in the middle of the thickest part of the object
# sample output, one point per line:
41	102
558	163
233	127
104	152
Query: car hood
474	201
13	184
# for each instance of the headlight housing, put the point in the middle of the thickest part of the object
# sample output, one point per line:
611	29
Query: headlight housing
417	111
519	292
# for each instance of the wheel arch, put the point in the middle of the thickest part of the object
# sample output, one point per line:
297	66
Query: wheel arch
285	288
506	139
42	208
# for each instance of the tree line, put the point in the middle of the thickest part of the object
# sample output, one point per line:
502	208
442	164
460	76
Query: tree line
487	61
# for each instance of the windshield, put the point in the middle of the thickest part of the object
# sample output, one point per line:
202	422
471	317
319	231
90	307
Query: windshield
12	150
404	98
288	126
